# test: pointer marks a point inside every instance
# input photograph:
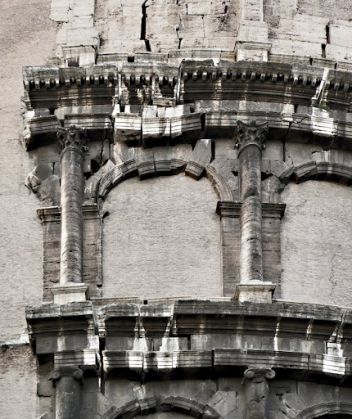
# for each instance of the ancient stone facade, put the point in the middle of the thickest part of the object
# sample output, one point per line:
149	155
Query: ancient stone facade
176	209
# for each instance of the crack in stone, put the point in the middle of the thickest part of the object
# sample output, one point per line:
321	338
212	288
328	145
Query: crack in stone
144	26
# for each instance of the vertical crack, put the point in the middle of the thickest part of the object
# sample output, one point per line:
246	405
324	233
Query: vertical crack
178	34
144	26
323	50
203	26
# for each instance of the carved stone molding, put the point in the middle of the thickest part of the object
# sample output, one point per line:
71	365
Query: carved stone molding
74	372
233	209
145	406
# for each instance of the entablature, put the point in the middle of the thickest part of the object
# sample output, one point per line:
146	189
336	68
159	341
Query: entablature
194	334
144	101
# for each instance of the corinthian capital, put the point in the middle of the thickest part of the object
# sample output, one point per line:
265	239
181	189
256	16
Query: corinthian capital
251	134
71	137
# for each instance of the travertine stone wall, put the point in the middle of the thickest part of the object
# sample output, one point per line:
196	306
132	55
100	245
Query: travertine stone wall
162	239
311	28
160	26
18	383
27	37
316	243
21	44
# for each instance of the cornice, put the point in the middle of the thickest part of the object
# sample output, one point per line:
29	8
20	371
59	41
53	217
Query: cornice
314	99
221	334
44	77
226	358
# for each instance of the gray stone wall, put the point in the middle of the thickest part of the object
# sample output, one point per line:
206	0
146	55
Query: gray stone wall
161	26
306	28
287	398
18	383
316	243
310	28
162	239
27	38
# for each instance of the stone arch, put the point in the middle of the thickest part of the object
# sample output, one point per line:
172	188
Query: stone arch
332	408
318	170
150	405
130	168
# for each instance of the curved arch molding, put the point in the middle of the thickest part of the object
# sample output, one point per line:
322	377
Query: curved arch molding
128	169
183	405
319	410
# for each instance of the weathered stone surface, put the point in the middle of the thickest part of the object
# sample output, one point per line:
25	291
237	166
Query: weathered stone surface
316	242
169	73
144	256
72	193
20	257
201	157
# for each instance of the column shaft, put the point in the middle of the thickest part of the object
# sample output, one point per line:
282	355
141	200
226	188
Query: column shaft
250	157
257	392
68	382
72	192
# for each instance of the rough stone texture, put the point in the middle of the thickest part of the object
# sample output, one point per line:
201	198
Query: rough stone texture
158	25
20	257
18	383
287	398
92	270
162	238
316	243
299	27
72	193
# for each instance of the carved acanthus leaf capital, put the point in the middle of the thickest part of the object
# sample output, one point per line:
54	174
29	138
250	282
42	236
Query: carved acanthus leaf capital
251	134
72	137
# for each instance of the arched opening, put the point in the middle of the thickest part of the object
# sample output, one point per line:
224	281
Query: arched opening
162	239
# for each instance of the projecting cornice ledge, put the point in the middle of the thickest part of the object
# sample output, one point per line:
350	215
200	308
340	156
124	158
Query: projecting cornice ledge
197	334
147	102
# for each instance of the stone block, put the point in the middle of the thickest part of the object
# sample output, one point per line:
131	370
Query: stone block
258	292
69	293
340	31
201	156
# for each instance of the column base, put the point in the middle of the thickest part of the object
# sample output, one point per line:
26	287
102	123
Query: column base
69	293
255	292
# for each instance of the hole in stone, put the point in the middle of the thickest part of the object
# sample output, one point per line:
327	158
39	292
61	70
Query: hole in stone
327	34
323	50
95	166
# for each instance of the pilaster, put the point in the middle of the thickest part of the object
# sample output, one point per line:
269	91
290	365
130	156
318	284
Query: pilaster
257	391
